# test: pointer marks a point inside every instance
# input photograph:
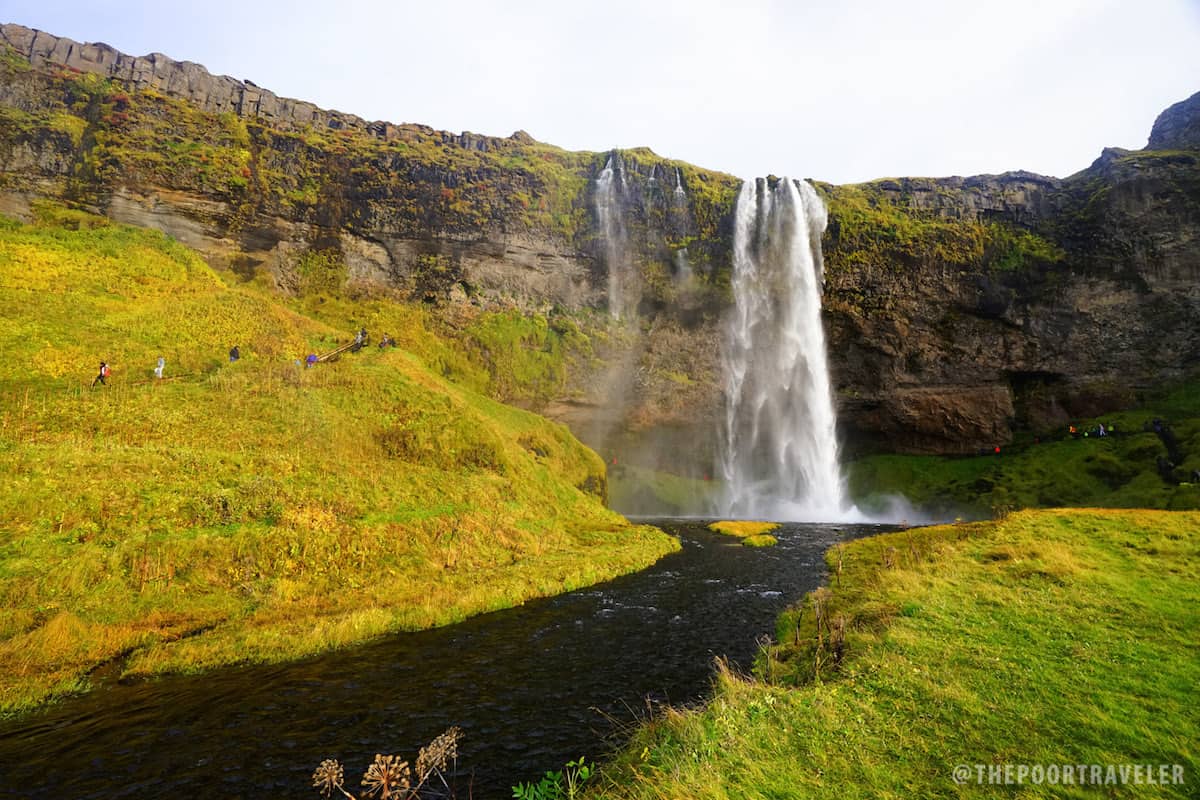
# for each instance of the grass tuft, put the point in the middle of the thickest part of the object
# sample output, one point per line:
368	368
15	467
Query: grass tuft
742	528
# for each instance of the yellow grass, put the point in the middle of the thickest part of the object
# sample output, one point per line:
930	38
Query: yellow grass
743	528
256	510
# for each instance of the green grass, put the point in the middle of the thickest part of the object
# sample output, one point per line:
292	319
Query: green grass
258	510
1113	472
1051	637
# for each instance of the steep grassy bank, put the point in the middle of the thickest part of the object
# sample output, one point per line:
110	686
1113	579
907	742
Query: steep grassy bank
254	510
1051	637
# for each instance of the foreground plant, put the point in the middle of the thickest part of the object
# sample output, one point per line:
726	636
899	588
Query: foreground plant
389	777
563	785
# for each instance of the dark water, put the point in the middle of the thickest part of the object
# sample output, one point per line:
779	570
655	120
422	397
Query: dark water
532	687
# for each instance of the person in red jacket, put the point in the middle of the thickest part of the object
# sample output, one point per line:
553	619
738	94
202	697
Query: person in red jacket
103	374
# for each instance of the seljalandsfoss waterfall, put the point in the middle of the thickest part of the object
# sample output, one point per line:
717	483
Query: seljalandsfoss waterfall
779	451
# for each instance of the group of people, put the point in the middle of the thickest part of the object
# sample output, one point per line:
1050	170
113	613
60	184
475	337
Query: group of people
159	367
1100	430
105	370
235	354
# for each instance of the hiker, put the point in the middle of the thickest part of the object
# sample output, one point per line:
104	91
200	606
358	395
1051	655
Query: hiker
387	341
103	374
1102	431
311	361
234	354
158	370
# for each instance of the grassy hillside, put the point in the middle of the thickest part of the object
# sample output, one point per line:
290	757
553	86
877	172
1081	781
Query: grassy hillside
1051	637
254	510
1116	471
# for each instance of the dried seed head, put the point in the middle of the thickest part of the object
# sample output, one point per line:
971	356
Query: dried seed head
328	776
438	753
386	775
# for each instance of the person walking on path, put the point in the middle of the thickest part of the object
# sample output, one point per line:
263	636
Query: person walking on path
158	370
100	378
234	354
311	361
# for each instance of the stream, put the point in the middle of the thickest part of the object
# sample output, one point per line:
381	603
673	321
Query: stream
532	687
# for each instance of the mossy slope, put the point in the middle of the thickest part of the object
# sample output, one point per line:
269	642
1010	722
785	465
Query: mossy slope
254	510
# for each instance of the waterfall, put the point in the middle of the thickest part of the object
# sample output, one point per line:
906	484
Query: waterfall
679	193
683	269
612	228
779	455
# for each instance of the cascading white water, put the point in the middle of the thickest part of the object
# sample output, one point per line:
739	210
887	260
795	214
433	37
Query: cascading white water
779	455
683	269
680	194
612	227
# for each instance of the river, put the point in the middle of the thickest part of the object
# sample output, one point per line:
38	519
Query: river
532	687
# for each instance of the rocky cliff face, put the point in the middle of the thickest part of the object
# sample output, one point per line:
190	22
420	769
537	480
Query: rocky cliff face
1177	128
957	308
1016	299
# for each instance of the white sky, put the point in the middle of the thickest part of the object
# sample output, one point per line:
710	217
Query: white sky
840	91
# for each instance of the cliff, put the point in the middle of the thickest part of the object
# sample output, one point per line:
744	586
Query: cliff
958	309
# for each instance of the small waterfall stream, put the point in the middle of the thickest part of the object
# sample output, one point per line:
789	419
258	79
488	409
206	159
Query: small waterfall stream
779	454
609	185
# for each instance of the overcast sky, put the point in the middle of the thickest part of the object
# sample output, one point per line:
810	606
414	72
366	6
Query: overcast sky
840	91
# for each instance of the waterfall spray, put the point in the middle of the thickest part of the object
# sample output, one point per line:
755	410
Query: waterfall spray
779	455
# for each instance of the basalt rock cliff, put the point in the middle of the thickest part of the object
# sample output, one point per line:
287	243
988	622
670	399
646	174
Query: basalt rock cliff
958	309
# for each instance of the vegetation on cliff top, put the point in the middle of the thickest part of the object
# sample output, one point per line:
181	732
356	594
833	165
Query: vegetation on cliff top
870	228
415	181
1050	637
253	510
